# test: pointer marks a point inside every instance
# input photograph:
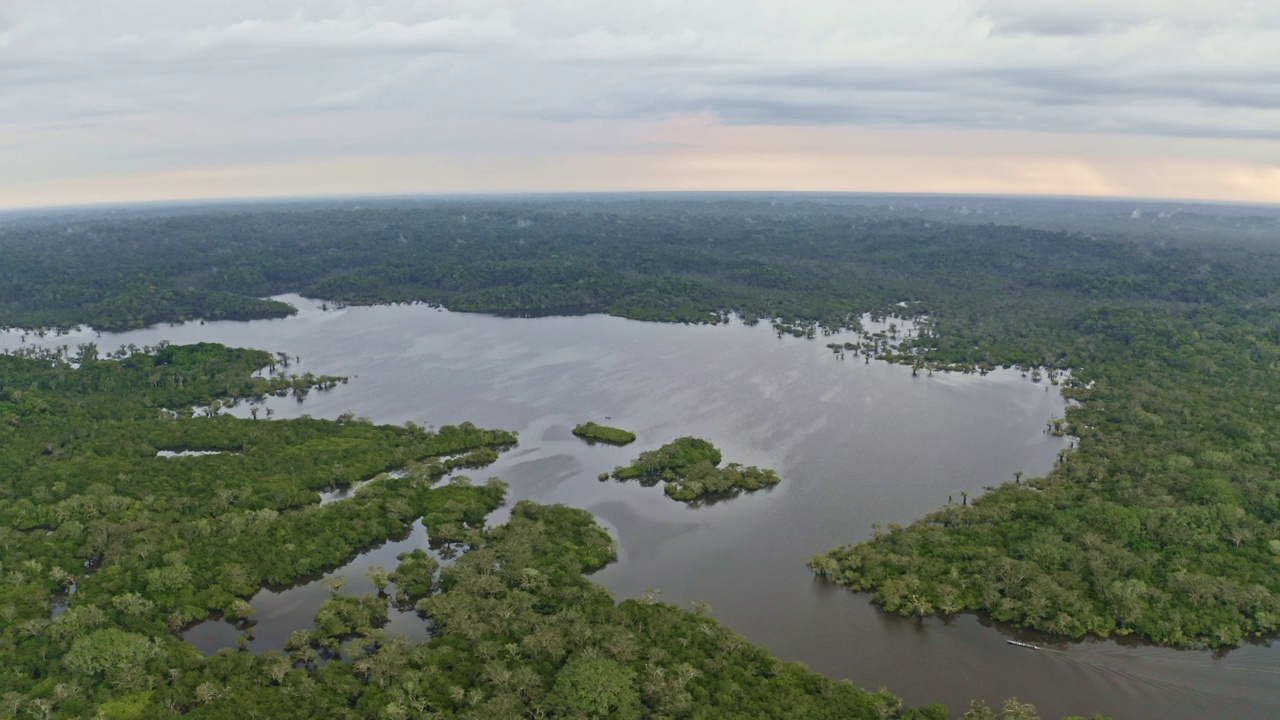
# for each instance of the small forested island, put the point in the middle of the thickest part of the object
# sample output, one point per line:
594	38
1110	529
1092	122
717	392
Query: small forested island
689	467
603	433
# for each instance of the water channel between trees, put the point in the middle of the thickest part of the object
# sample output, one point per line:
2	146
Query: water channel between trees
856	444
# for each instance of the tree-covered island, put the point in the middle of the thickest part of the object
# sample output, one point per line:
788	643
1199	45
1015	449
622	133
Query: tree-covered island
689	468
603	433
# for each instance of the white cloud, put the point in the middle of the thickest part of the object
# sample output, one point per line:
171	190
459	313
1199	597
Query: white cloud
138	84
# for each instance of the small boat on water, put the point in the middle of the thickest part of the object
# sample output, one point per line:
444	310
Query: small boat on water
1022	644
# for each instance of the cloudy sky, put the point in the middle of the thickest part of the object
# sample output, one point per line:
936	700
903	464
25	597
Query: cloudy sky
117	100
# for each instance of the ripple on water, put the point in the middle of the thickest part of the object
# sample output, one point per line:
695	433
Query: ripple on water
856	444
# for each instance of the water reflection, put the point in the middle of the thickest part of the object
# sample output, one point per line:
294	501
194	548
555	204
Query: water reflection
279	611
856	444
344	493
187	453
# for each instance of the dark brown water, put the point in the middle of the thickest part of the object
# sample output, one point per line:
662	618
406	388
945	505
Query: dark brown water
855	443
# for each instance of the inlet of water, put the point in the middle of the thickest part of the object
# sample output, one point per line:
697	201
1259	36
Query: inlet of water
856	444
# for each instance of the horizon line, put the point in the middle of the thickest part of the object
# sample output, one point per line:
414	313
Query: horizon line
193	202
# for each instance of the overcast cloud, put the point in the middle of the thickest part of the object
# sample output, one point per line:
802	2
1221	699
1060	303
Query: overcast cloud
92	90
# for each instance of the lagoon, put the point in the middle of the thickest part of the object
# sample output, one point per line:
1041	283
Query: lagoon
857	444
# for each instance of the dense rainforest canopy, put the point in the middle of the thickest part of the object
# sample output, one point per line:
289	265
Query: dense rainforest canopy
594	432
1163	521
689	469
822	260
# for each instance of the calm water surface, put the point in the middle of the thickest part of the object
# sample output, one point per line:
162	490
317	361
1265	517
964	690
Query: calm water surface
855	443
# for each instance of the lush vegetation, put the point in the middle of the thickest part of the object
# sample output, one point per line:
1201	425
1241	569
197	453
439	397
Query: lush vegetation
126	547
518	632
603	433
670	460
110	550
688	467
1163	521
415	575
819	260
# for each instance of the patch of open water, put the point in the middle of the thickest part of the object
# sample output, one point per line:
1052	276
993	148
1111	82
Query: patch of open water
856	444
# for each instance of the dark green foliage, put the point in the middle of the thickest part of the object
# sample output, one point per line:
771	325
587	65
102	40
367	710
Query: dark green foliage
706	480
604	434
689	261
688	466
669	461
151	544
1164	521
343	616
415	576
519	626
112	652
596	688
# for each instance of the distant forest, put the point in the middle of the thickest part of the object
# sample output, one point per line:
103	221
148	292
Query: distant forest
681	260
